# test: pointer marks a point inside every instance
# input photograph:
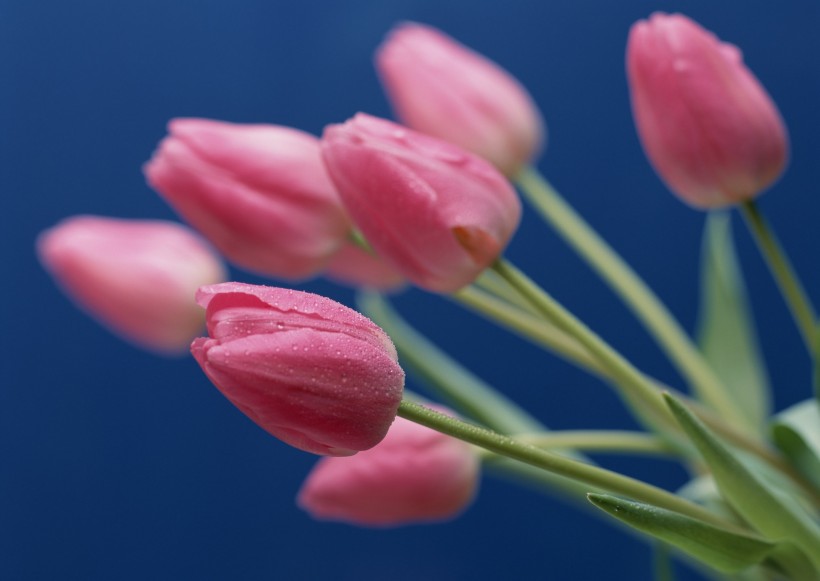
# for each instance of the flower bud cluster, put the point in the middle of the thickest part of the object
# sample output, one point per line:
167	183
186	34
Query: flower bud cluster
374	203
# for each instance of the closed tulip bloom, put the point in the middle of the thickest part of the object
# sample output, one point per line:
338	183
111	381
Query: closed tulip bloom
442	88
438	214
312	372
354	266
259	192
706	123
136	277
415	475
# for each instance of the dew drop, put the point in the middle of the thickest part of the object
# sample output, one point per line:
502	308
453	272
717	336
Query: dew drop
452	157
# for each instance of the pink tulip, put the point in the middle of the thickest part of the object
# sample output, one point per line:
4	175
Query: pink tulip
259	192
437	214
442	88
136	277
706	123
312	372
414	475
356	267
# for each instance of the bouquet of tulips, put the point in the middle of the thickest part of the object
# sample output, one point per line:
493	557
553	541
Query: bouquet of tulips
432	203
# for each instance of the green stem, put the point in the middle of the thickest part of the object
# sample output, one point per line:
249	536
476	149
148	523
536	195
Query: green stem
570	348
643	397
453	383
644	303
783	272
491	284
607	441
593	476
523	323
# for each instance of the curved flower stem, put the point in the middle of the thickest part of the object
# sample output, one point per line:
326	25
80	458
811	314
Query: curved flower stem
606	441
493	285
556	341
448	379
783	272
593	476
643	396
644	303
523	323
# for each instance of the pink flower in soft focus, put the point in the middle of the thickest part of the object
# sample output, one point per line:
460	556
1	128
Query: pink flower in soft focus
260	193
442	88
415	475
136	277
312	372
436	213
706	123
355	266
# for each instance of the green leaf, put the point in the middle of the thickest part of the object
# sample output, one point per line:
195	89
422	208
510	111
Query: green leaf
722	549
816	360
753	497
796	431
726	331
702	490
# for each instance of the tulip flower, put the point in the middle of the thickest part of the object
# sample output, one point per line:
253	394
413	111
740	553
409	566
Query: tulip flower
442	88
414	475
312	372
258	192
354	266
136	277
706	123
436	213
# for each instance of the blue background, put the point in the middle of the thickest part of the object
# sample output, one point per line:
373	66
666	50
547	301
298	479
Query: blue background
115	464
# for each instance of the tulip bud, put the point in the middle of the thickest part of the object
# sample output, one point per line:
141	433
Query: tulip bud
259	192
414	475
437	214
317	375
442	88
706	123
136	277
354	266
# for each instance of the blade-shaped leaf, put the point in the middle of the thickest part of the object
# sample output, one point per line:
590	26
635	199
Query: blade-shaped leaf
726	331
796	431
724	550
703	491
757	501
816	356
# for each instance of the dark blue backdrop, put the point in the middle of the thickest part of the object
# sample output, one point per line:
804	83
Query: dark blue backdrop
118	465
